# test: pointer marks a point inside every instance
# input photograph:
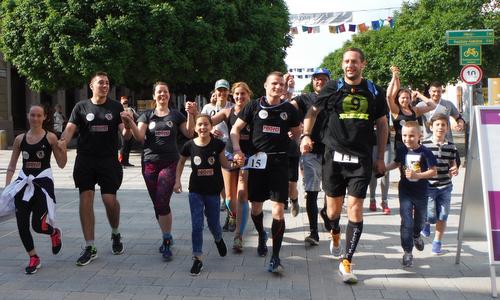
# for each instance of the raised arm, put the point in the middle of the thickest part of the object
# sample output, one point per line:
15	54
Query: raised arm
429	104
11	168
392	91
221	116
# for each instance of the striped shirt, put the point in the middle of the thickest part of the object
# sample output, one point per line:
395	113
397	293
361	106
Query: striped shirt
445	154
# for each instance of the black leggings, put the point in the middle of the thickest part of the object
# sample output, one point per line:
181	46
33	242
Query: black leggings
38	206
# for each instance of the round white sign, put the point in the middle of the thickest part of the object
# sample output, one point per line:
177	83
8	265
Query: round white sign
471	74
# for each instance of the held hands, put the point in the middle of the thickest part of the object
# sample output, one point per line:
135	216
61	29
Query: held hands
217	133
239	159
126	119
454	171
306	145
379	168
460	125
62	145
395	71
410	174
191	107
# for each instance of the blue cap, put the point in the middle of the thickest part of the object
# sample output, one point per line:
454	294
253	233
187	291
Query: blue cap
321	71
222	83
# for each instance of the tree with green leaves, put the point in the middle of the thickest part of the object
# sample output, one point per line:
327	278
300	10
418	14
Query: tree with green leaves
417	43
191	43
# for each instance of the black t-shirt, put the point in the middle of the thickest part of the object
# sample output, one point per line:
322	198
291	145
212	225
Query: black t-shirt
269	125
36	157
420	160
98	127
160	142
352	112
245	138
304	102
206	174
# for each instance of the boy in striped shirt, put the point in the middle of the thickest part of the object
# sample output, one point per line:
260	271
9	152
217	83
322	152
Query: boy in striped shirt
440	186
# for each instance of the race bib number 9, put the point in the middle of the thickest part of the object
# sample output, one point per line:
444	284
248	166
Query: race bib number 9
345	158
257	161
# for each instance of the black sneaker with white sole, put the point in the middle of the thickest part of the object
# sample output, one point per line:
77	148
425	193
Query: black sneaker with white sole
197	267
221	247
88	254
117	246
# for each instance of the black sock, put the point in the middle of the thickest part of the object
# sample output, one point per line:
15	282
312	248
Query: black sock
352	236
258	223
335	225
312	210
277	230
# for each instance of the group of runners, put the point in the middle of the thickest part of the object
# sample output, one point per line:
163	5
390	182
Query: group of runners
243	149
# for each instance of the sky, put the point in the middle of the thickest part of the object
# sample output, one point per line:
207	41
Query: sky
308	50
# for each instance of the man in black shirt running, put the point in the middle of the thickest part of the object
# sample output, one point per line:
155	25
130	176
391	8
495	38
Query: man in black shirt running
98	121
353	105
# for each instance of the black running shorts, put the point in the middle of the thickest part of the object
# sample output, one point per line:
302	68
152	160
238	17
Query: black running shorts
104	171
270	183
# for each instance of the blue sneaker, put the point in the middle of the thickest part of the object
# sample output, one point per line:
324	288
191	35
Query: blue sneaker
167	253
262	247
427	230
436	247
275	265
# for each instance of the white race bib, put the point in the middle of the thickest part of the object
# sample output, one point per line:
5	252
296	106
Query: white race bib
345	158
257	161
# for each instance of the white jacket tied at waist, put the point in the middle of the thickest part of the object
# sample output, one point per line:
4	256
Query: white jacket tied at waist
7	205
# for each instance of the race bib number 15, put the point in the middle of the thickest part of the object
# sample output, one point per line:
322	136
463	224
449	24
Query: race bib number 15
257	161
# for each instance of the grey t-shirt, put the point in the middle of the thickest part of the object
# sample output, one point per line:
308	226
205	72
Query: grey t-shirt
444	107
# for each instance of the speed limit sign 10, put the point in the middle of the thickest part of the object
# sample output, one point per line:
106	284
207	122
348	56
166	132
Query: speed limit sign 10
471	74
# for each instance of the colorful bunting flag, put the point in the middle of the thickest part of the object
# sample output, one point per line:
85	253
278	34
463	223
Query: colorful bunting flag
375	25
341	28
315	29
304	28
362	27
309	29
332	29
294	30
352	27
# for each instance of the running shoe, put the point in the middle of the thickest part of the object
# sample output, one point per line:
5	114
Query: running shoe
345	269
436	247
33	265
222	205
326	222
161	248
56	240
238	245
275	265
385	208
117	246
335	244
231	225
166	253
262	247
197	267
418	242
312	239
373	205
426	231
225	228
221	247
407	260
88	254
295	208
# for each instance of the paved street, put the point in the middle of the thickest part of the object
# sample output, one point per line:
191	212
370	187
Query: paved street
310	272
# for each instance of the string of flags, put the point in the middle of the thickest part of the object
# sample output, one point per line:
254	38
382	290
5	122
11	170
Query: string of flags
335	29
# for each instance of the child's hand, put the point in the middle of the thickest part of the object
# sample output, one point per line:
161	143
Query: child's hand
454	171
177	187
410	174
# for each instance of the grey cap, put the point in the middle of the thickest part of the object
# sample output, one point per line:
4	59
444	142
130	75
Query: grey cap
222	83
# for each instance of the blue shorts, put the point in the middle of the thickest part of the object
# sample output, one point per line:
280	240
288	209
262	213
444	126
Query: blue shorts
438	204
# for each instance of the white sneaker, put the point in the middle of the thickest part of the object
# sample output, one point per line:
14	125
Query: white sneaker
335	249
346	272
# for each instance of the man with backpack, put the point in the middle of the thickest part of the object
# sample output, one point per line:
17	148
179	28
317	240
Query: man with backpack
353	105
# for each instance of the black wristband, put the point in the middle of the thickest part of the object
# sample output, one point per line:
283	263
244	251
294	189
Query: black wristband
304	135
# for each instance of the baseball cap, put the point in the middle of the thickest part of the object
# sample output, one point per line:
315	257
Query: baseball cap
321	71
222	83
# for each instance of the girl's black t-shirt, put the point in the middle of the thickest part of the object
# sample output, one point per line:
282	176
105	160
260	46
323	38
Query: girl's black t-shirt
36	157
206	174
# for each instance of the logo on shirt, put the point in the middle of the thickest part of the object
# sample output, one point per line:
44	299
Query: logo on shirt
109	116
33	164
284	116
26	155
271	129
211	160
162	133
152	125
90	117
205	172
354	107
263	114
197	160
40	154
99	128
170	124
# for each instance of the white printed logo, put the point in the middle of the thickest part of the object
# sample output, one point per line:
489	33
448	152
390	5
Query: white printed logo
211	160
170	124
26	155
283	116
90	117
152	125
197	160
40	154
108	116
263	114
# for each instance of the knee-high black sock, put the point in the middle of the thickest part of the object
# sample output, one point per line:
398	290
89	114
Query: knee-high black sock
335	224
312	210
277	230
352	236
258	222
